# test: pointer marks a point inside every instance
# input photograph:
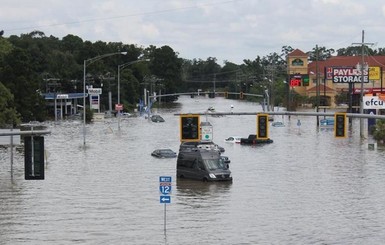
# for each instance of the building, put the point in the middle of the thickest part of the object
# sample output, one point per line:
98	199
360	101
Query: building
336	75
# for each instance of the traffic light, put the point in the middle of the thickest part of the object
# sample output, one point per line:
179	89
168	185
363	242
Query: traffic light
189	128
241	95
262	126
33	157
340	125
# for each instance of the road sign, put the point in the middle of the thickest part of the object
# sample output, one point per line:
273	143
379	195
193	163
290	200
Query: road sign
165	179
118	107
207	133
165	189
165	184
165	199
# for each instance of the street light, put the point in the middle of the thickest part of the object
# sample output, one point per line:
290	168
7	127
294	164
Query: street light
121	67
88	62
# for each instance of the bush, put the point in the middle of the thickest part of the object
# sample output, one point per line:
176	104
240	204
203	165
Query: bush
379	131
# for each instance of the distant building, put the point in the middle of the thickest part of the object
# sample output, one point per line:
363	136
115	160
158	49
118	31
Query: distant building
335	75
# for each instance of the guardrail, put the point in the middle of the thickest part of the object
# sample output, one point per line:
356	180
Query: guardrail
25	133
285	113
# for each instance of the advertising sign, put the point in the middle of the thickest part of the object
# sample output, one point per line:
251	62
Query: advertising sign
346	74
373	102
297	80
118	107
62	96
94	91
374	73
94	102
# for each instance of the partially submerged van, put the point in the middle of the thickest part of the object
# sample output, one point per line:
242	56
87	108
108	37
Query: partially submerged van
202	164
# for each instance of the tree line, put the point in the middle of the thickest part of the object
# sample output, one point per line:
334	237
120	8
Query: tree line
33	64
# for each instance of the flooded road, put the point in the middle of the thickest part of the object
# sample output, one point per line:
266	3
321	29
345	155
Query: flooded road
305	188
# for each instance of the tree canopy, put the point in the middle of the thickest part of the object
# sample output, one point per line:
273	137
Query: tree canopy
33	64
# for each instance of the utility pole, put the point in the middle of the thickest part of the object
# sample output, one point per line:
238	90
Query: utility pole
317	82
362	82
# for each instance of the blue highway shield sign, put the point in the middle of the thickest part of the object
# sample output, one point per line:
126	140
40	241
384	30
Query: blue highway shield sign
165	189
165	185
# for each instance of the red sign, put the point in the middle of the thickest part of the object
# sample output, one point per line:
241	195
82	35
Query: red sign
118	107
294	82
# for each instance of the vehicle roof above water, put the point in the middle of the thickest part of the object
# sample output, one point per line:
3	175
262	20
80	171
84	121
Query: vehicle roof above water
205	153
198	143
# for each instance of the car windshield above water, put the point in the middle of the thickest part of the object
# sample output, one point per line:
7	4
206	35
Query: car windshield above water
166	151
214	164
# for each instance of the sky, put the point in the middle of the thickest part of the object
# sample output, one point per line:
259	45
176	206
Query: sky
228	30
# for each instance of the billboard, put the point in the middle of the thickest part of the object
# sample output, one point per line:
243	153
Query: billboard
373	102
346	74
374	73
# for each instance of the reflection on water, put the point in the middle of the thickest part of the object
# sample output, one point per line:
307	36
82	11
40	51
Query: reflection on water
305	188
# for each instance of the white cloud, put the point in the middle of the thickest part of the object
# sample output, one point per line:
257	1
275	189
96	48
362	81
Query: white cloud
226	29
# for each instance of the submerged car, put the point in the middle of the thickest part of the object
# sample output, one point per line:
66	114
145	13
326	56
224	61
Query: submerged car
164	153
233	139
277	124
157	118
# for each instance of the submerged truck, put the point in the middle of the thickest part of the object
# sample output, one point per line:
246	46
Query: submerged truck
253	140
202	164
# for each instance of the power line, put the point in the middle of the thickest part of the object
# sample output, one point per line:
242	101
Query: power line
123	16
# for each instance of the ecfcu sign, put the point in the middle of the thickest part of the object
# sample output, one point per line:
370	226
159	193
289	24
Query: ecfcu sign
373	102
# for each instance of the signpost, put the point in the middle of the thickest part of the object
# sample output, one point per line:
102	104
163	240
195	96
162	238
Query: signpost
165	188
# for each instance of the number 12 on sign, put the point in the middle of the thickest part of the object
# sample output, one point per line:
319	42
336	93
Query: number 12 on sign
165	189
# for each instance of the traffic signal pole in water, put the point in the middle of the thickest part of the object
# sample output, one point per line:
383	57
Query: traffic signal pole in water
262	126
189	128
340	130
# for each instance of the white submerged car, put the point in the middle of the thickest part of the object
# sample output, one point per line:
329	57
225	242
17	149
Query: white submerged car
233	139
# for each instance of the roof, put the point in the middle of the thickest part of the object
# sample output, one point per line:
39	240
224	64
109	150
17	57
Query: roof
297	52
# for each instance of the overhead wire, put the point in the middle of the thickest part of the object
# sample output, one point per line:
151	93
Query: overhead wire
124	16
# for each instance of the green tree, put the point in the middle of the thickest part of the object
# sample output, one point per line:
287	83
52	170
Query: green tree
166	65
8	113
19	76
379	131
323	53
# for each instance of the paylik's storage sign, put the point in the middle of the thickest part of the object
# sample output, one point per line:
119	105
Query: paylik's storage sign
346	74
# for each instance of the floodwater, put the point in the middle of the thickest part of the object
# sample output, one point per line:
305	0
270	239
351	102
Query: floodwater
305	188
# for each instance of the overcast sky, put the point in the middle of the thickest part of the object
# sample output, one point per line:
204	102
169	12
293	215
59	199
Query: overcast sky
231	30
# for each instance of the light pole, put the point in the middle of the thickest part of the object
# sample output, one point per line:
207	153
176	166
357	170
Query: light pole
121	67
85	63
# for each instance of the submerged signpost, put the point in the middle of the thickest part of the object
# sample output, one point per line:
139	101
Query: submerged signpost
165	188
